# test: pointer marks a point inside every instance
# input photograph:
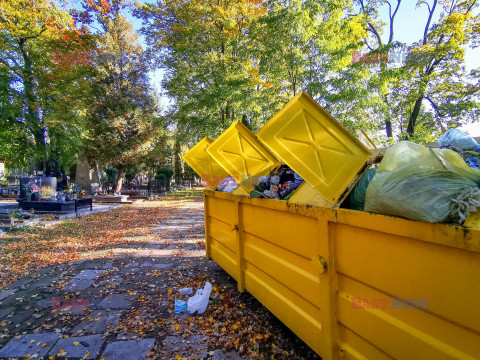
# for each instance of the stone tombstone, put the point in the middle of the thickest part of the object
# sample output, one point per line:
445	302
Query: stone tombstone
82	175
95	179
39	181
52	167
2	169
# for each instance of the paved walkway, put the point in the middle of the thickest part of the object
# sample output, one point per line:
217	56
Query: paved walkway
121	306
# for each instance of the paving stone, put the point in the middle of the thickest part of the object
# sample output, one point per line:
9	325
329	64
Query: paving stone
44	303
115	280
89	275
20	283
184	347
126	337
29	345
6	293
128	350
115	301
163	266
43	282
78	285
4	312
108	266
100	320
220	355
85	344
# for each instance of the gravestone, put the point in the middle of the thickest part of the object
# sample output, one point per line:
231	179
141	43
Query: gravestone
82	175
96	184
2	169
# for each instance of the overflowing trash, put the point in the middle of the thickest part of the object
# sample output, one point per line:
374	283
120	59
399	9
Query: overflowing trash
199	302
227	185
357	196
418	183
467	202
280	184
455	138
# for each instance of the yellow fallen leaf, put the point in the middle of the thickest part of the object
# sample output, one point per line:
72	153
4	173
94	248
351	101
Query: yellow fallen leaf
177	357
176	326
62	352
76	343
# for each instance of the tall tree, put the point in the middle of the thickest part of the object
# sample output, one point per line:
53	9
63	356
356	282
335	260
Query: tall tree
29	32
432	84
122	120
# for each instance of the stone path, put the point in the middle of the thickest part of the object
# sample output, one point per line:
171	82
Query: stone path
101	309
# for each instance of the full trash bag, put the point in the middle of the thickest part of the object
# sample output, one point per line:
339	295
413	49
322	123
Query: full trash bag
357	197
419	183
457	139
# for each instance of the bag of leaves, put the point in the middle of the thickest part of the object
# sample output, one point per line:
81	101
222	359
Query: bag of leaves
419	183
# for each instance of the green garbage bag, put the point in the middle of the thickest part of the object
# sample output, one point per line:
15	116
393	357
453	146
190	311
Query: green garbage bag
418	183
357	197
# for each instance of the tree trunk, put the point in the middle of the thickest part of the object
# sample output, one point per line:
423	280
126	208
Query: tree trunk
388	128
413	116
118	186
177	166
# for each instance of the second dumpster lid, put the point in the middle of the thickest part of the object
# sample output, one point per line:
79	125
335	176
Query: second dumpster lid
203	164
240	153
315	145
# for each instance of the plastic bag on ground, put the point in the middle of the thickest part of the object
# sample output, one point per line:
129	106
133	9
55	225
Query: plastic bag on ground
457	139
199	301
419	183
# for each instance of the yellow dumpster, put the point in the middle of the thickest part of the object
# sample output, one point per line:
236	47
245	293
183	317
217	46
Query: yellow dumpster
352	285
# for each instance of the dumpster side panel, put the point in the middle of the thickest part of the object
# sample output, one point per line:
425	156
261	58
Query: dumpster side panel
354	285
279	270
409	291
221	241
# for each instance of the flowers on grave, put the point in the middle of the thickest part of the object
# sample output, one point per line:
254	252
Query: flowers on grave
46	192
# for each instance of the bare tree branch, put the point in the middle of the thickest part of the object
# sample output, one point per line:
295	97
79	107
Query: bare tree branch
392	17
430	15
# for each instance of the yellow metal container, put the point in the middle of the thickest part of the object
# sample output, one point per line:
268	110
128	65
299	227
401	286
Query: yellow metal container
316	146
203	164
241	155
353	285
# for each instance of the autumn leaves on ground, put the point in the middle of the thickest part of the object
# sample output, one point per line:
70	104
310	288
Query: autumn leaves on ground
150	250
84	238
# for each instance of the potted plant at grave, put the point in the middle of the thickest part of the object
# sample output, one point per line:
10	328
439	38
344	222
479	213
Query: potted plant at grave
46	192
68	194
34	192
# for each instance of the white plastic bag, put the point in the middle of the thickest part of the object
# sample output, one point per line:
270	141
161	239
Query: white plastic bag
199	301
419	183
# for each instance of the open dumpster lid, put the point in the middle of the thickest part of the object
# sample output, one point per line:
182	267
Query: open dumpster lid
203	164
242	155
315	145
